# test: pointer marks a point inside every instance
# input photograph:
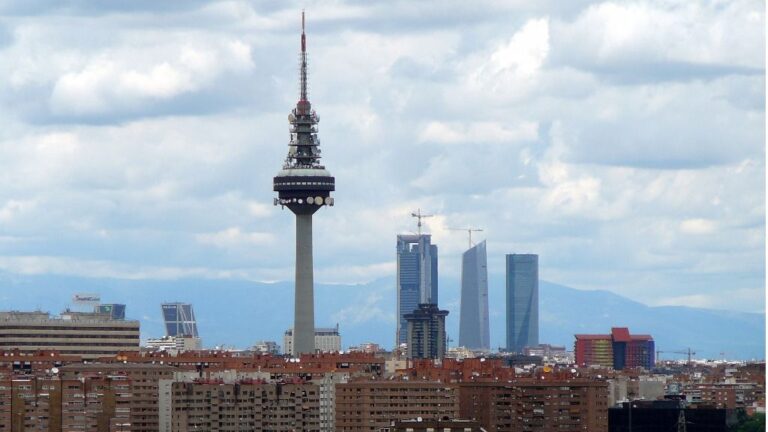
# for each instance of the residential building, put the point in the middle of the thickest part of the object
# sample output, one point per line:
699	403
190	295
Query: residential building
371	405
426	332
416	277
212	405
522	301
550	404
474	327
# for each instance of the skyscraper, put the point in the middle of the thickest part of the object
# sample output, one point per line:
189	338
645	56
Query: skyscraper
474	332
179	320
304	186
416	277
522	301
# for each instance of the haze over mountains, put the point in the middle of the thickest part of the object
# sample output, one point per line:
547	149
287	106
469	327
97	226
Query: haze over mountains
238	312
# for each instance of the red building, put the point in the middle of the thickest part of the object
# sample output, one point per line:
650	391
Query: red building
618	350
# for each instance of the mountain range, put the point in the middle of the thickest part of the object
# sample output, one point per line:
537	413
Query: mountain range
239	313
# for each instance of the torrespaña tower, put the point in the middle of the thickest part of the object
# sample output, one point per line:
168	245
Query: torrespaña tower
304	186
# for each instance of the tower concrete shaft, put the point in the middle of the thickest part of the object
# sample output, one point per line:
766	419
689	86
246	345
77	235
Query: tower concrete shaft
304	303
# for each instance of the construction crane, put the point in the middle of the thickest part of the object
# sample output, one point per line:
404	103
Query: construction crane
690	353
469	231
417	214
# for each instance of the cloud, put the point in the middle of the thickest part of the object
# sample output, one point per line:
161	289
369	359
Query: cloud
623	142
131	79
235	237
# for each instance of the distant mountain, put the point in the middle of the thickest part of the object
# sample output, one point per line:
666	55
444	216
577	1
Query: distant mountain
235	312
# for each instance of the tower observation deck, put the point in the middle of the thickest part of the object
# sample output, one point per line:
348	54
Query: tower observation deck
304	186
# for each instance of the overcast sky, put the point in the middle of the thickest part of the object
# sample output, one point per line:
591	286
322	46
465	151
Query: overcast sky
623	142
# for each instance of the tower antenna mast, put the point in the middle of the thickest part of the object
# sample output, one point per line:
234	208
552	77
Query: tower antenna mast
417	214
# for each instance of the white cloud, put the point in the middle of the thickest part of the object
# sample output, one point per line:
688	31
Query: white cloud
235	237
697	226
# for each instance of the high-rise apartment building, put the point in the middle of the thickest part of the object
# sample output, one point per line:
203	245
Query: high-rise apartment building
179	320
522	301
618	350
373	405
416	277
426	332
87	334
474	328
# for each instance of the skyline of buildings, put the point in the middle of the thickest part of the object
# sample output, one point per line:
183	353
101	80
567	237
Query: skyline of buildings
474	323
522	291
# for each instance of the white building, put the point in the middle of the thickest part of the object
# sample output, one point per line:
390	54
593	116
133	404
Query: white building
326	340
175	344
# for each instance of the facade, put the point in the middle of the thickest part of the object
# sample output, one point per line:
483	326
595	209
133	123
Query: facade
179	320
85	334
426	332
132	400
246	405
618	350
372	405
522	301
175	343
551	404
304	186
327	340
474	327
416	277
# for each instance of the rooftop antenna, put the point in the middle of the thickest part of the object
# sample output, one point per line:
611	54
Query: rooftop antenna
469	231
417	214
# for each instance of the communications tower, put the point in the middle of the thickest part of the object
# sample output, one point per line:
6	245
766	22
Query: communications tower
304	186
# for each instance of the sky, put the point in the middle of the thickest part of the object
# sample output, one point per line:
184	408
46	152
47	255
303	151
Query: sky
623	142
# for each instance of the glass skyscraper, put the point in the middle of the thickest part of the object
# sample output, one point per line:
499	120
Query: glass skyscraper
522	301
474	330
179	320
416	277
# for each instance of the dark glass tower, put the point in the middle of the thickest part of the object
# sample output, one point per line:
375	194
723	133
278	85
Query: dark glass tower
416	277
522	301
179	319
304	186
474	328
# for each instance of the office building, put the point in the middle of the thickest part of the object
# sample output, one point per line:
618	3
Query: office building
522	301
416	277
618	350
85	334
304	186
474	328
426	332
327	340
179	319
